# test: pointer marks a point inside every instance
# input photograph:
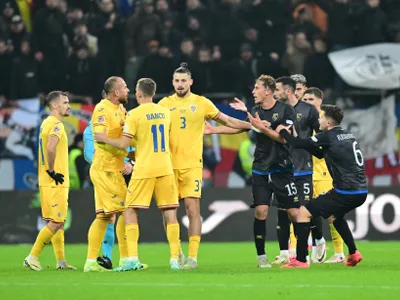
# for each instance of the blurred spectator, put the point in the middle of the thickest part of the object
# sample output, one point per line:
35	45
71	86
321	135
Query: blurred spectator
49	42
82	76
17	33
8	9
26	74
159	65
83	37
340	24
318	69
108	27
141	28
305	24
5	64
371	24
298	49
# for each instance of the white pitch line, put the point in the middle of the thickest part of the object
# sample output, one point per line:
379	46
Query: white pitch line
217	285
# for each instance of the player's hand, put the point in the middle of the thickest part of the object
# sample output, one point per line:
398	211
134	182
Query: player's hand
57	177
256	122
208	129
127	169
281	127
100	137
238	105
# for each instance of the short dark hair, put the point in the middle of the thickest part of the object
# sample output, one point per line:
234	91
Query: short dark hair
288	82
267	82
109	85
147	86
315	91
183	69
333	112
53	96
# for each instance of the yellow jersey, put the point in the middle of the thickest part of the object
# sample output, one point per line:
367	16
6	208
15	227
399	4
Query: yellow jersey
149	126
53	128
187	128
110	117
320	170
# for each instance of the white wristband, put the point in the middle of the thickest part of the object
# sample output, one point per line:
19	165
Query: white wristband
255	129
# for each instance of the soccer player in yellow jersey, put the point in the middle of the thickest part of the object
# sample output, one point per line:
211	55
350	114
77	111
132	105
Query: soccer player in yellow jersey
105	171
188	114
53	182
148	126
322	179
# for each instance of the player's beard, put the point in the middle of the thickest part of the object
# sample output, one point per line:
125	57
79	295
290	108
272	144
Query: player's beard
123	100
182	93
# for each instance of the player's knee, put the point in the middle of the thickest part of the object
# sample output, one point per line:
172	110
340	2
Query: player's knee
170	215
192	209
55	226
261	212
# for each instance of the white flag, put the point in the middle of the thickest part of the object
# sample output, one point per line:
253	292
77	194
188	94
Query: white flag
374	128
373	67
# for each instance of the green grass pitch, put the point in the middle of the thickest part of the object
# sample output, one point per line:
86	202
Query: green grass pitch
226	271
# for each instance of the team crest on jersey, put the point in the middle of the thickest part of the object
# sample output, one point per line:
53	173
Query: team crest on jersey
193	108
275	116
299	116
56	129
100	119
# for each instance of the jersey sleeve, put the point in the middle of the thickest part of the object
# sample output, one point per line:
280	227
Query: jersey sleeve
313	119
130	127
100	119
56	130
210	110
320	139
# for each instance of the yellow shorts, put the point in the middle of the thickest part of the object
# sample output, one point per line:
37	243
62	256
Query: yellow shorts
189	182
322	186
109	191
140	192
54	202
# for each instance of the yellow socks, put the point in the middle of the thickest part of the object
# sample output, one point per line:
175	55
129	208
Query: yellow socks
58	244
96	236
293	240
173	239
132	238
194	243
44	237
337	240
122	243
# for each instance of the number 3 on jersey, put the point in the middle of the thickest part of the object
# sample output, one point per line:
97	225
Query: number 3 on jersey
155	137
183	124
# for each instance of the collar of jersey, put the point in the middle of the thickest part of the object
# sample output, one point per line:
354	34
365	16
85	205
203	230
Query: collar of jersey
108	103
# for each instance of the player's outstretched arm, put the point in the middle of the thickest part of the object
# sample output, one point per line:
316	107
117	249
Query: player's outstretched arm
121	143
259	125
299	143
232	122
209	129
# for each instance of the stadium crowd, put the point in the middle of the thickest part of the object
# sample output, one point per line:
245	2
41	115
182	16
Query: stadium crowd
75	45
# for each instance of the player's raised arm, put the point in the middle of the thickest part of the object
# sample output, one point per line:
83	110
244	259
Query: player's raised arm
232	122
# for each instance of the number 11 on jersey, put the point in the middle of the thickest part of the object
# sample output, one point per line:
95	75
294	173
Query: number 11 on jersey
155	137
